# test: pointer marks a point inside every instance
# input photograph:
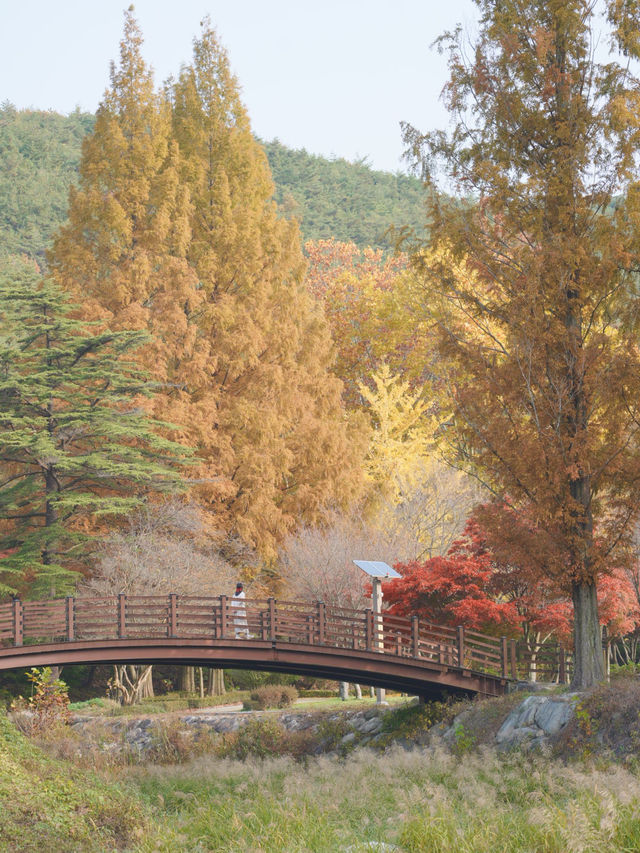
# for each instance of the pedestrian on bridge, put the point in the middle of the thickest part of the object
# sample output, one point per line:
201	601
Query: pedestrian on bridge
240	623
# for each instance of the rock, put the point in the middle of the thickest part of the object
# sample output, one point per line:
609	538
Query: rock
554	715
536	719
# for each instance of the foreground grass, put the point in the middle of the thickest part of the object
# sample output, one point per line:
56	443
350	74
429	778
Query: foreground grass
423	800
49	804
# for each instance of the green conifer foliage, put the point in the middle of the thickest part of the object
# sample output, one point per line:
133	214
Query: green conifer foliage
74	443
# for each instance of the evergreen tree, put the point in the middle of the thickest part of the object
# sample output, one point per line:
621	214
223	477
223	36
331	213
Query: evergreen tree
74	444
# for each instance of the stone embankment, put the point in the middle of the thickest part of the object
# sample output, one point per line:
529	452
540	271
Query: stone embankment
141	734
530	725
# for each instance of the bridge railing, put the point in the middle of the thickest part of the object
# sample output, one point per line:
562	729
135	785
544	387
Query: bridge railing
263	619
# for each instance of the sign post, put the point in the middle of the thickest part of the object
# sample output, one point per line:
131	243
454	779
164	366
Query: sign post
377	571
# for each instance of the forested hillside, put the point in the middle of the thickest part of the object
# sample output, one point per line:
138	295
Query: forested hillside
40	153
347	201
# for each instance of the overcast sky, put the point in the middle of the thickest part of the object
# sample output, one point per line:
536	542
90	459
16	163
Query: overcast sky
336	77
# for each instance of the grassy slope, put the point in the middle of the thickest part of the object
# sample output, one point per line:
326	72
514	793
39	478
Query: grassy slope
420	800
427	799
48	804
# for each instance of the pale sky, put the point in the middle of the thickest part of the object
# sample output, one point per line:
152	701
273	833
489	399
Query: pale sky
335	77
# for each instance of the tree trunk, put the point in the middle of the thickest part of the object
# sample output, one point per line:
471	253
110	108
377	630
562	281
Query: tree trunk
588	665
200	682
216	682
188	679
145	690
131	683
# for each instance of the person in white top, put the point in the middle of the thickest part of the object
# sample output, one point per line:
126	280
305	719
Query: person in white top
240	624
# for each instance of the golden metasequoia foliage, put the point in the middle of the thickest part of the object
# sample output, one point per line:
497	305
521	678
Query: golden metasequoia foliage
536	316
122	251
173	228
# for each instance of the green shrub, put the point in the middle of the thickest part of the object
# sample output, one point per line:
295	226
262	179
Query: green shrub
264	738
274	696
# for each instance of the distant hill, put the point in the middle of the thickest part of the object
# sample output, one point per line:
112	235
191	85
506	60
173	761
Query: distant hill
347	201
40	152
39	156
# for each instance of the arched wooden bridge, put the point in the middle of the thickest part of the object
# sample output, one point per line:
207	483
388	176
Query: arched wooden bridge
286	636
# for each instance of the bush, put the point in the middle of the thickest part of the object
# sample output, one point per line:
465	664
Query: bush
274	696
48	708
264	738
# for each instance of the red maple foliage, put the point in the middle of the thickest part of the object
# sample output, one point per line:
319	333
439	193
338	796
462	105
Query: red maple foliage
494	584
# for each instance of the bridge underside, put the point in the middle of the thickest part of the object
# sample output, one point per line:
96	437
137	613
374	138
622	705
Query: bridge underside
418	677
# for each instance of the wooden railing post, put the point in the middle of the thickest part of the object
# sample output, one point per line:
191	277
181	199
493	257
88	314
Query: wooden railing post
122	615
272	619
172	622
504	658
605	651
399	643
322	615
562	666
460	645
368	629
310	631
18	622
71	618
415	636
442	653
512	659
223	617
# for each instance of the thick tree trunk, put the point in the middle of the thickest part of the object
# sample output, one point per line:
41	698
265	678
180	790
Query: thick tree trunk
588	667
188	679
216	682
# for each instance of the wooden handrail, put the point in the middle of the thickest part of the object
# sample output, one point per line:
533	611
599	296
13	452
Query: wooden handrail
173	616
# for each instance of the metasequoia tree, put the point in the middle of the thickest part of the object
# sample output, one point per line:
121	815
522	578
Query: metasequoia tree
537	333
172	229
74	443
122	251
280	443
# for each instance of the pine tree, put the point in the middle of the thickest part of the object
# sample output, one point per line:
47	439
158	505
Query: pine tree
74	445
